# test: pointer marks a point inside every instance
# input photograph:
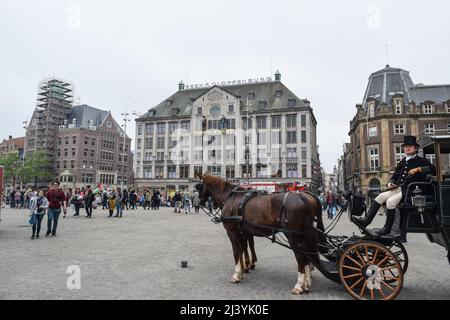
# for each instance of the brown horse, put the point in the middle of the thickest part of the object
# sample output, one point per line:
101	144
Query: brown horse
261	216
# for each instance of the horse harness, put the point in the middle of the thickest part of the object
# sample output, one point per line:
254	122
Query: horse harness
250	194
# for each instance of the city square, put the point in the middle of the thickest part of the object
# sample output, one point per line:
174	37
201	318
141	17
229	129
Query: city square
139	257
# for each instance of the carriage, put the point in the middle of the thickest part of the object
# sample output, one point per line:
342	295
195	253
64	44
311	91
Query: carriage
372	266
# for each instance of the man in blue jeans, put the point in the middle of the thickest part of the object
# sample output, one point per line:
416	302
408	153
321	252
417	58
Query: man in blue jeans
56	198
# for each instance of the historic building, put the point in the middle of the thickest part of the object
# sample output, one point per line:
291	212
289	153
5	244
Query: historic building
11	145
84	145
255	131
93	148
393	106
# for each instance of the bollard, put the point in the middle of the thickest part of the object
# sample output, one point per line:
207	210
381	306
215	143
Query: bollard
184	264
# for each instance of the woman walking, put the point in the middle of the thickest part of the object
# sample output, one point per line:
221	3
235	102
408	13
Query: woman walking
77	201
38	209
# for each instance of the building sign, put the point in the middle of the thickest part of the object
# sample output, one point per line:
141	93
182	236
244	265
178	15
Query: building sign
229	83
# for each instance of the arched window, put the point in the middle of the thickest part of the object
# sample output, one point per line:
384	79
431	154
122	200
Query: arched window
374	185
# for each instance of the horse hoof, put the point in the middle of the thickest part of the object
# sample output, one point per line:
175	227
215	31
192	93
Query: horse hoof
235	280
247	270
297	291
252	267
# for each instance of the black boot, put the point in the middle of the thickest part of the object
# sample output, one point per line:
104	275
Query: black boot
390	217
364	222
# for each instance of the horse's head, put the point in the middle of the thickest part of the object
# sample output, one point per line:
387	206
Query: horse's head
208	189
203	190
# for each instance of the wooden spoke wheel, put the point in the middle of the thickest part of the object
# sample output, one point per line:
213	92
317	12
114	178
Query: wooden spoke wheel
369	270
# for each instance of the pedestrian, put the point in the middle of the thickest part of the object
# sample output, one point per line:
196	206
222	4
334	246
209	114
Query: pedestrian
38	208
77	201
148	200
119	208
56	198
111	204
88	200
196	201
331	204
17	196
187	204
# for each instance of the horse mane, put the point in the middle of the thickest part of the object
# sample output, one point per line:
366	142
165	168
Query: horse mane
217	182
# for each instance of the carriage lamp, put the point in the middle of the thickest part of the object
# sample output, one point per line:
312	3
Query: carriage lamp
419	201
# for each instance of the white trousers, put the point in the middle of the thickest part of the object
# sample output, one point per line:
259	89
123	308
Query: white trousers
392	198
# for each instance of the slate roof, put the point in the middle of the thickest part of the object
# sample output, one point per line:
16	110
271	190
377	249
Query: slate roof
84	113
180	103
386	82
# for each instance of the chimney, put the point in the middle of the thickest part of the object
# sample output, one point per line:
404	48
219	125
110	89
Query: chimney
181	86
10	137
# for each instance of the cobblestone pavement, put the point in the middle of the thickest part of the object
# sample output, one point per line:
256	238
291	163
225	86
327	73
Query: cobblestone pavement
139	257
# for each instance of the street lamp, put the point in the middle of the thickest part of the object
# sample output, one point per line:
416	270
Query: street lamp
125	123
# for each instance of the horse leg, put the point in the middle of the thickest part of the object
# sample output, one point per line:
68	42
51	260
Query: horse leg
303	284
246	257
236	243
251	244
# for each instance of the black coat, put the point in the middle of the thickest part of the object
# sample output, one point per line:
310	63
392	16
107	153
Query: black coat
401	177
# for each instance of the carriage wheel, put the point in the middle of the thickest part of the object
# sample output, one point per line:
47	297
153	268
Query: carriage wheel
369	270
399	250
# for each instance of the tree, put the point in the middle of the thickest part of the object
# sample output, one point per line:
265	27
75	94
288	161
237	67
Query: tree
12	167
37	167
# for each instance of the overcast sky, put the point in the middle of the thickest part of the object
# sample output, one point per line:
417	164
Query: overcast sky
132	54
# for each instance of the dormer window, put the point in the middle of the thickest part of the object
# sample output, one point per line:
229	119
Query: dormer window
108	124
428	108
291	103
279	93
371	110
65	122
74	121
398	106
262	104
251	95
90	122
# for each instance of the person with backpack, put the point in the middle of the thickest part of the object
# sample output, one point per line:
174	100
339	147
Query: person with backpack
38	208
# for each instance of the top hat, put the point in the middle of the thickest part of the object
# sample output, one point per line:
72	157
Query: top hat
410	141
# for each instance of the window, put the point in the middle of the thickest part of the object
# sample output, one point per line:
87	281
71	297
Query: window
230	172
399	128
66	152
93	142
72	164
303	120
198	155
262	104
398	107
161	143
303	136
292	153
198	141
431	158
74	140
109	124
173	126
66	140
184	172
304	153
292	171
86	140
448	127
231	108
429	128
399	154
229	155
149	143
147	172
213	124
291	120
374	161
161	128
251	95
85	152
261	122
276	155
198	170
199	110
230	140
246	123
139	143
148	156
160	156
149	129
276	122
261	138
159	172
92	153
291	103
231	124
373	132
171	172
276	137
291	137
279	93
304	171
74	151
215	170
447	107
428	108
139	130
261	171
186	125
371	110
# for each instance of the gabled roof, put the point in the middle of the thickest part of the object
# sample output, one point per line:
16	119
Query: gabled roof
182	101
84	113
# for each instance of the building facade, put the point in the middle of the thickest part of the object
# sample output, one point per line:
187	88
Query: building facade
92	148
11	145
254	131
393	106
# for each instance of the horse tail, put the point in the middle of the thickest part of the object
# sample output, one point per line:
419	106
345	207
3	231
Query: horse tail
320	225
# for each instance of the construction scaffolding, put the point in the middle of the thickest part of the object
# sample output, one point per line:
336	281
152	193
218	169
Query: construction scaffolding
54	102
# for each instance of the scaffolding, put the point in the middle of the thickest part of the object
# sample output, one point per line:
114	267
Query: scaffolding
54	103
